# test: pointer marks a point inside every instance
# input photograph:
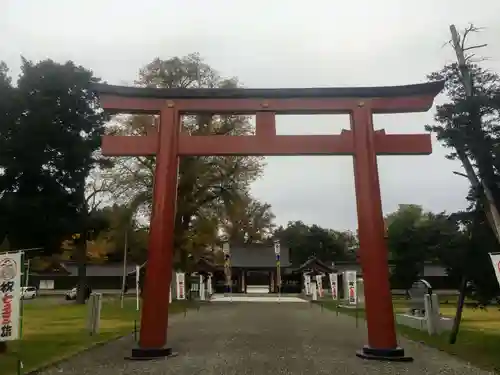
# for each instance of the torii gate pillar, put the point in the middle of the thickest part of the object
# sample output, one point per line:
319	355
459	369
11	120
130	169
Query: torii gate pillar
361	141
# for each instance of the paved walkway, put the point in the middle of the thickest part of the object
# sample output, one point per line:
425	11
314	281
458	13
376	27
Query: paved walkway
243	298
261	339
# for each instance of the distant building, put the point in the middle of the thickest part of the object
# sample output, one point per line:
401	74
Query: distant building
65	276
253	268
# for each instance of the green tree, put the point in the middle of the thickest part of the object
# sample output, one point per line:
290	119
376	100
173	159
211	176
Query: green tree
470	262
469	125
207	186
124	233
415	237
305	241
51	147
8	115
249	221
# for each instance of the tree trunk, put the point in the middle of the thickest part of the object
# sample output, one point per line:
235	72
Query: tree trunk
458	314
81	258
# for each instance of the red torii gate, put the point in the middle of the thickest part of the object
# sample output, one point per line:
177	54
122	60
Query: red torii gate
168	143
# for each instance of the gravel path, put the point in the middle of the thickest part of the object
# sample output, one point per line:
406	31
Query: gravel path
261	338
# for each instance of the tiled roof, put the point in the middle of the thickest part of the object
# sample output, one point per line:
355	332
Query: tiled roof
315	264
258	256
428	88
93	270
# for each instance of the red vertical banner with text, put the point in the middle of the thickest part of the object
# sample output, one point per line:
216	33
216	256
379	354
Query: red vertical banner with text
10	296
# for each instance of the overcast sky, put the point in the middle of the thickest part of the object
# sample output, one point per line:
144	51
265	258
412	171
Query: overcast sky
280	43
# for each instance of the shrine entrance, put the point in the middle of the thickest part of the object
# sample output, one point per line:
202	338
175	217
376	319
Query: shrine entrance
168	143
258	281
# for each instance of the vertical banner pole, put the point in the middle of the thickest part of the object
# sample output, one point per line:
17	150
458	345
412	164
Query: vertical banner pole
227	269
137	272
26	280
21	317
277	251
135	330
124	276
357	313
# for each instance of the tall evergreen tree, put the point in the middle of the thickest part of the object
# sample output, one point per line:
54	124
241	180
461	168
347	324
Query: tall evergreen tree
50	148
469	124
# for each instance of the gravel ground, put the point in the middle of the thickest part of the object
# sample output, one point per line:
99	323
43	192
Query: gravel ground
261	339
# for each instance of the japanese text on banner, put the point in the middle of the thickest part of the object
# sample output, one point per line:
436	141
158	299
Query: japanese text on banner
351	287
333	285
181	285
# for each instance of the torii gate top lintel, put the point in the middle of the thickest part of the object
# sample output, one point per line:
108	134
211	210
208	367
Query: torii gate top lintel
266	103
384	99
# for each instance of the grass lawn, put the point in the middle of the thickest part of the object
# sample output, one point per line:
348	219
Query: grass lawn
54	331
478	340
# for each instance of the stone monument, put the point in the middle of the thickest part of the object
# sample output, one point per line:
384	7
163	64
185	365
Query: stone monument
423	313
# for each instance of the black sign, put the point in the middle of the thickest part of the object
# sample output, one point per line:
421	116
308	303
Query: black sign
7	287
6	331
417	296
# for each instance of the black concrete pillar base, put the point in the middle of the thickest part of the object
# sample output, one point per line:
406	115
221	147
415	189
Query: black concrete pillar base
146	354
394	355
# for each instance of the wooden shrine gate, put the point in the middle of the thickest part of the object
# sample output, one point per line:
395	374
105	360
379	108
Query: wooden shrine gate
168	143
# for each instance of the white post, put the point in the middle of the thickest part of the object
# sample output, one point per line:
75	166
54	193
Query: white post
431	328
436	316
94	313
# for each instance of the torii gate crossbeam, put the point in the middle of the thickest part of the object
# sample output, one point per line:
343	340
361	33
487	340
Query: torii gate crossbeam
168	143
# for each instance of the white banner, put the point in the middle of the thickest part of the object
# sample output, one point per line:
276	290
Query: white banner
307	284
202	288
319	282
495	260
180	285
10	296
209	285
352	292
334	285
314	291
170	287
352	297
